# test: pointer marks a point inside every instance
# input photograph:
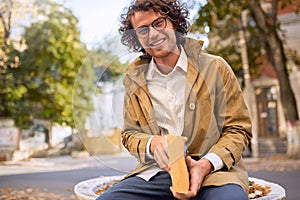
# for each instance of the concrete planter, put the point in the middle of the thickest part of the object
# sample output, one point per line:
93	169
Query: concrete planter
86	190
277	191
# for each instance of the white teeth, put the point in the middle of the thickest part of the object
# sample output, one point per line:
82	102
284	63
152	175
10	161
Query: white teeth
158	42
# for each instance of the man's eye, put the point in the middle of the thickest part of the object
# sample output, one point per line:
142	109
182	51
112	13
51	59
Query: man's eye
143	31
159	24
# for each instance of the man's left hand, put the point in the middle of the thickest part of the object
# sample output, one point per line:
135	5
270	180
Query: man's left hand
198	170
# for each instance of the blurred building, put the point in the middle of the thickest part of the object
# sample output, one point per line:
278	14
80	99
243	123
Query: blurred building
102	126
272	128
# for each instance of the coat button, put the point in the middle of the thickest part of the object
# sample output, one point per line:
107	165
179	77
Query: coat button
192	106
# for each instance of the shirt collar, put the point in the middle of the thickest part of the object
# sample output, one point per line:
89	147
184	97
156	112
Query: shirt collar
181	63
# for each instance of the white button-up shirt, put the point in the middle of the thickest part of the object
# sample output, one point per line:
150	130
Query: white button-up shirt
167	93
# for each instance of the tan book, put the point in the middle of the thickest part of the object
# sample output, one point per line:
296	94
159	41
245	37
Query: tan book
178	169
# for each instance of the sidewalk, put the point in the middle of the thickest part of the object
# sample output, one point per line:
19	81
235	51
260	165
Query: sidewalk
278	163
35	165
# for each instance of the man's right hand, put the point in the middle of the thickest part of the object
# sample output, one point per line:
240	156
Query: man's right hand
159	147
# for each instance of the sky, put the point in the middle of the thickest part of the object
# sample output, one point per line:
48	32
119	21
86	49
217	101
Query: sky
97	18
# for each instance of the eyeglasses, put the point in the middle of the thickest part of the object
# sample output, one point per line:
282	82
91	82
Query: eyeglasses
159	24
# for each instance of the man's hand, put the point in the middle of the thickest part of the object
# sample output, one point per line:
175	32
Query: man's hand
159	147
198	170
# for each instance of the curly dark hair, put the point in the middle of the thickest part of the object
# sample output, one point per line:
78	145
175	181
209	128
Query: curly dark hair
176	11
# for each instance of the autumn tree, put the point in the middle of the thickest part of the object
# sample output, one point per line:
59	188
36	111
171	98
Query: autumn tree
12	14
223	21
9	58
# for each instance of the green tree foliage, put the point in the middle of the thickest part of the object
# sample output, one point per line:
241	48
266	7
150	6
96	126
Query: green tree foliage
108	55
83	91
49	67
105	58
106	61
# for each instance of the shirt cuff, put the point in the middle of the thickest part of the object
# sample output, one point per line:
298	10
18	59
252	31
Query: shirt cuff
148	153
215	160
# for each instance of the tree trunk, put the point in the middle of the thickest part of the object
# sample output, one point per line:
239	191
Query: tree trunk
278	60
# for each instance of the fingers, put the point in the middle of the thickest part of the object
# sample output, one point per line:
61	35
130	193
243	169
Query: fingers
196	179
188	161
181	196
191	193
158	142
161	157
159	147
194	186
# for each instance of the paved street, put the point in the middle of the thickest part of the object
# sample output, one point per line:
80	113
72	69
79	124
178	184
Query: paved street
54	178
57	176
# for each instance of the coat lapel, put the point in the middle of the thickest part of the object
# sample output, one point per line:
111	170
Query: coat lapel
198	102
190	101
139	89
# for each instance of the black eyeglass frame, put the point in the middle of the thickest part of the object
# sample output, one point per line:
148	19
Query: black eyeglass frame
155	24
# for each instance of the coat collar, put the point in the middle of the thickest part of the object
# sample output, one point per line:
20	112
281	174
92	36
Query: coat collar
136	72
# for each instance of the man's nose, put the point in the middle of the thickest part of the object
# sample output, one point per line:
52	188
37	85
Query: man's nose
153	32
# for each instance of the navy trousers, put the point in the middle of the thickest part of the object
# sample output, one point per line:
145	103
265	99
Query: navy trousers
158	188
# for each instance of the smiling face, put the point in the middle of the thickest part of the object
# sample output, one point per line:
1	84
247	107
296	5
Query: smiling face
161	44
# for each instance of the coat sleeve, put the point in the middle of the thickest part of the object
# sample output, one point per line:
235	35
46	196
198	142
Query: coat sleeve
233	117
134	136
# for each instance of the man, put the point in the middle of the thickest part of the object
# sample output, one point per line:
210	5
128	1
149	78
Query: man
174	88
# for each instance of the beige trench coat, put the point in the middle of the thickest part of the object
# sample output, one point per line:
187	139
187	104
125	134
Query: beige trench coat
216	118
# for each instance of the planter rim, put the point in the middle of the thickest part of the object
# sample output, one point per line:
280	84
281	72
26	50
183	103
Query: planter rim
86	190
